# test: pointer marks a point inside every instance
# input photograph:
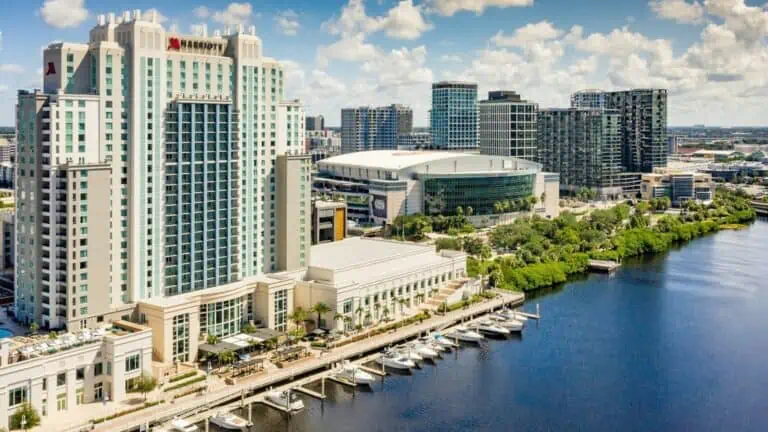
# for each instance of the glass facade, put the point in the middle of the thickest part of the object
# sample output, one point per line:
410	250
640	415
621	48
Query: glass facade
281	311
223	318
454	116
442	195
181	338
201	186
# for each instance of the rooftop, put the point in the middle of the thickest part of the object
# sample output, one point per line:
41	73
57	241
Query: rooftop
392	159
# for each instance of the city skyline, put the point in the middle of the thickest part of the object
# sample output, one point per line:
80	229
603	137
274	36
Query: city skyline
382	52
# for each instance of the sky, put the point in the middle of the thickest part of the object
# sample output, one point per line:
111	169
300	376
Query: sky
711	55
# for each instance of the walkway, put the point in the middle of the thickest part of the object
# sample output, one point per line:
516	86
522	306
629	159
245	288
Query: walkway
224	395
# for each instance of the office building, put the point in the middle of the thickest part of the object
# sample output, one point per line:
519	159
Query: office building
583	146
366	128
7	149
678	186
508	126
294	211
380	185
415	141
148	169
643	124
329	221
454	116
315	123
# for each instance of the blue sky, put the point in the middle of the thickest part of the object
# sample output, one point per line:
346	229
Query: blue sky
710	54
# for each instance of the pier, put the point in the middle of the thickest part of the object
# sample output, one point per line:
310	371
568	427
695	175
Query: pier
308	370
604	266
761	208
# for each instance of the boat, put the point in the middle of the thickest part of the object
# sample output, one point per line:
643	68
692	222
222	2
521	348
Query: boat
394	360
512	314
443	341
464	334
281	398
507	323
355	375
490	327
432	343
181	425
423	350
409	353
229	421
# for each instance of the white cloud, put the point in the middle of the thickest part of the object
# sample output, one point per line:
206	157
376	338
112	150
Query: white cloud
234	14
64	13
288	23
529	33
399	68
678	10
350	49
450	7
160	17
3	88
11	68
404	21
202	12
450	58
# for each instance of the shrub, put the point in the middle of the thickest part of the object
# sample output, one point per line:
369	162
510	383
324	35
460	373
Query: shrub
185	383
182	376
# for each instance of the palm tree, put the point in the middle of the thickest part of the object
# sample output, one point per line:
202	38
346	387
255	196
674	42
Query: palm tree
320	309
347	320
226	356
338	317
359	311
368	316
402	302
385	312
298	317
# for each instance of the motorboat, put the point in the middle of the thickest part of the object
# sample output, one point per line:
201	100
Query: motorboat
464	334
443	341
490	327
395	360
512	314
229	421
509	324
180	425
423	350
281	398
409	353
432	343
354	374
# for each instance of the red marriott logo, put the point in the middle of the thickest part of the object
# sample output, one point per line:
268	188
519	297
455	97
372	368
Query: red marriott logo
174	44
51	69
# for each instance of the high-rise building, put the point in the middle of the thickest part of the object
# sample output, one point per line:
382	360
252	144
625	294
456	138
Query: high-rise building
643	124
584	146
380	128
147	168
454	117
508	126
315	123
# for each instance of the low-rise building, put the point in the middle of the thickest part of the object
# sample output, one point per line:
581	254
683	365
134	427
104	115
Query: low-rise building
329	221
679	187
378	186
59	374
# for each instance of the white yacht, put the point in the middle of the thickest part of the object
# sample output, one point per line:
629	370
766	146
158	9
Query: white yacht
508	323
181	425
229	421
409	353
464	334
394	360
512	314
354	374
281	398
492	328
422	349
443	341
433	344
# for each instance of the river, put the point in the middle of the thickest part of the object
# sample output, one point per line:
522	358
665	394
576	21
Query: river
672	342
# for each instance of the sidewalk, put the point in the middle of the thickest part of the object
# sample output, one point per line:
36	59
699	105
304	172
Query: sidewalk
223	394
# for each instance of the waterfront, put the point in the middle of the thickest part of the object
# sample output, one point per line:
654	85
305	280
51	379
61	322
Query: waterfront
671	342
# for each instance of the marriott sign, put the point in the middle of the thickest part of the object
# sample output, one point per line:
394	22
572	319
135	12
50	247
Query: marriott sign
196	45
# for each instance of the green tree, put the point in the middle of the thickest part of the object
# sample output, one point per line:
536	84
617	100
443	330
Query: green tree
320	308
385	312
338	317
226	357
212	339
449	243
25	417
470	211
459	211
33	328
298	317
145	384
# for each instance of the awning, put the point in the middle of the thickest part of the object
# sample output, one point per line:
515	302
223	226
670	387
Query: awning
218	347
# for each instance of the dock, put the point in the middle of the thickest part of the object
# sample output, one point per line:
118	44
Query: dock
377	372
251	390
309	392
604	266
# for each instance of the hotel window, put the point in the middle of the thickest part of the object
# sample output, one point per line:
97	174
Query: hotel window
80	373
181	338
17	396
61	379
132	362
